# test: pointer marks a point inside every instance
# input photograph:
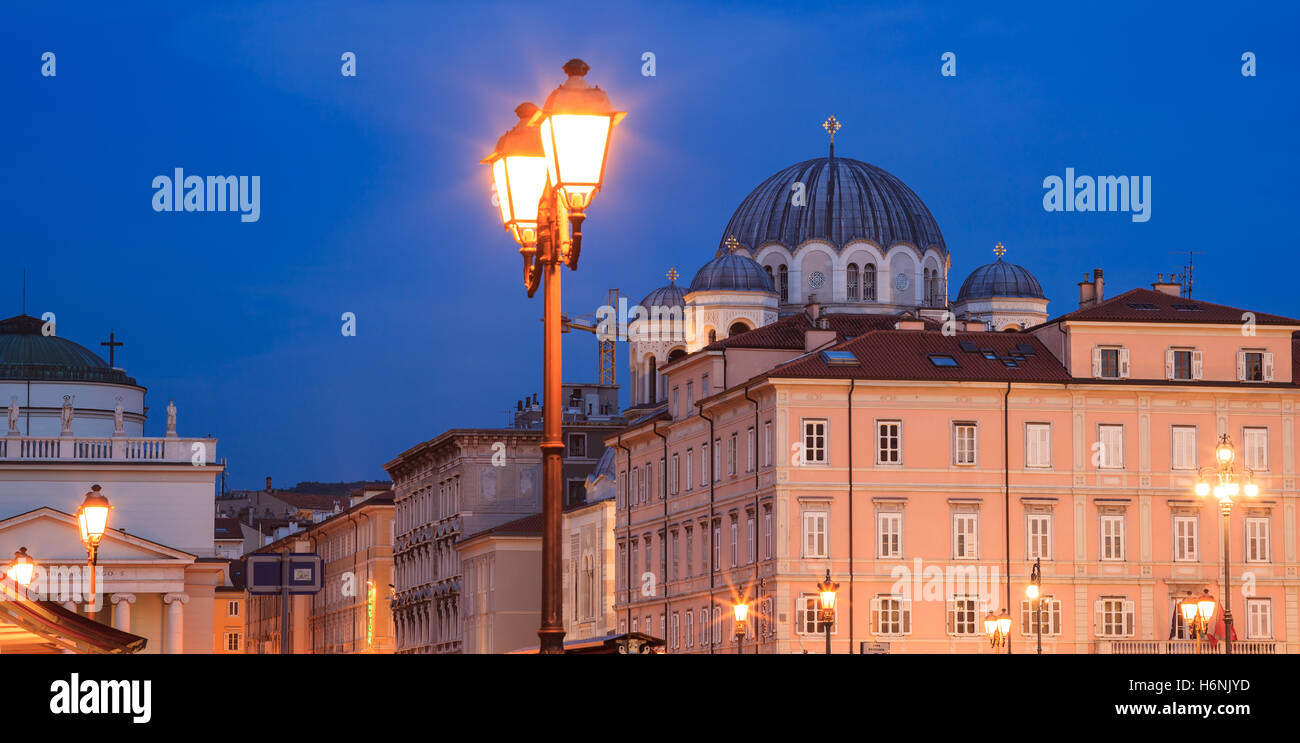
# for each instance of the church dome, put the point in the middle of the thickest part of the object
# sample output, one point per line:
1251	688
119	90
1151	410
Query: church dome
27	354
666	296
732	272
844	200
1000	279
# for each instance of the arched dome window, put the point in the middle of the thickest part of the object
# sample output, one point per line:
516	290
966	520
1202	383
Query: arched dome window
676	353
783	283
713	336
736	328
852	282
869	282
651	382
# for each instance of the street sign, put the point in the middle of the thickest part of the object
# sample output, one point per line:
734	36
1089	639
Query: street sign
271	573
875	648
302	572
262	573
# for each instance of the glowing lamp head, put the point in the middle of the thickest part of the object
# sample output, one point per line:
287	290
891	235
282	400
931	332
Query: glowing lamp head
1224	453
1251	489
1031	591
741	612
990	625
1188	608
22	567
1004	623
92	517
1205	606
826	591
518	167
1220	492
576	123
1202	488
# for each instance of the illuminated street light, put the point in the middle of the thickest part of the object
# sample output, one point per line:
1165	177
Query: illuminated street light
22	567
92	519
826	595
1229	485
741	612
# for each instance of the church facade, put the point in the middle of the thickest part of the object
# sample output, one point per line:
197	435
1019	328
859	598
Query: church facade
75	422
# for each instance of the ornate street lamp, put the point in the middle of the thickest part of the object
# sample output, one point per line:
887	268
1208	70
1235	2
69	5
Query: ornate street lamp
1198	614
553	159
1229	487
22	567
741	611
1034	593
826	600
92	519
998	628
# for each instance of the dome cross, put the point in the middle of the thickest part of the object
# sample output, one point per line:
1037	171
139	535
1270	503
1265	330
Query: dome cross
672	275
999	251
732	244
832	126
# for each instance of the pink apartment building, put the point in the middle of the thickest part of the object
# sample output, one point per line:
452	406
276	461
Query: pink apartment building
926	458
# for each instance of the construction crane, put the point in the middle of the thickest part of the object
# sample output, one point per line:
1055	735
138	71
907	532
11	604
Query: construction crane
606	365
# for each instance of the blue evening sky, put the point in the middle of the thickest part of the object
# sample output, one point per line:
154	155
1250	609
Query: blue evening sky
373	201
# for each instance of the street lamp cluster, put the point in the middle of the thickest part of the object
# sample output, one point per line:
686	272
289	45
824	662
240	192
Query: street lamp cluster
92	522
1228	485
546	170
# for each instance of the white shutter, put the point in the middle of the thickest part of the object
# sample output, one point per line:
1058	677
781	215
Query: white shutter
907	616
1128	618
1268	366
952	616
1196	364
1123	363
875	615
1097	619
1169	364
1096	362
1026	618
1056	616
1241	366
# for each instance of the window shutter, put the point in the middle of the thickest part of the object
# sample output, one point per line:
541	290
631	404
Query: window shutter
1268	366
1241	366
1169	364
1096	362
1056	616
1026	618
952	617
907	616
1196	364
1128	618
875	615
1097	618
1123	363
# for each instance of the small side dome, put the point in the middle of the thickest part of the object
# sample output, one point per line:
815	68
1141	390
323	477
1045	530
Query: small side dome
665	296
732	272
1000	279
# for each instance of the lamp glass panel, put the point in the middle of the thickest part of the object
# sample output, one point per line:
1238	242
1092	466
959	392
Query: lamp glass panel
828	599
22	572
1189	609
96	520
503	188
1004	624
527	177
1206	606
575	150
742	611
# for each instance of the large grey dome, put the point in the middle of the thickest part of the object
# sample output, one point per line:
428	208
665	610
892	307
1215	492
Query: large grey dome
28	354
732	272
1000	279
844	200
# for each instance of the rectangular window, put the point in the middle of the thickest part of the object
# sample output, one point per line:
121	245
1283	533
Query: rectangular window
1185	538
704	464
963	616
1251	366
717	454
891	615
749	449
649	553
1038	445
704	547
1259	619
1182	364
633	552
676	632
689	630
767	532
890	442
1111	438
577	445
808	615
1049	613
814	534
965	542
1110	362
889	535
232	608
1112	537
963	443
1039	535
1183	453
1256	448
234	641
676	474
717	626
622	567
814	441
1114	617
676	409
676	563
717	545
735	542
1257	539
731	455
767	444
690	552
750	555
704	386
690	468
690	395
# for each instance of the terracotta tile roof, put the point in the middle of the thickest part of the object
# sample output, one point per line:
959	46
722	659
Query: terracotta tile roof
528	526
312	501
906	355
1146	305
788	332
226	528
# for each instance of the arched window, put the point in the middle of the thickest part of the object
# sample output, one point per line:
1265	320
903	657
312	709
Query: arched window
783	283
737	327
713	336
651	382
676	353
852	282
869	282
769	274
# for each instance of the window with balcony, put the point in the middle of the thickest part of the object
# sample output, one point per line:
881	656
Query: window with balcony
1114	617
1259	619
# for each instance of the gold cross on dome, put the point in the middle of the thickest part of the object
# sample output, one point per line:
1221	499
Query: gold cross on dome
672	274
732	243
831	126
999	250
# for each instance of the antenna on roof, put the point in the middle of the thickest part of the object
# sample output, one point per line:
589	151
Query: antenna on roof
1185	278
24	290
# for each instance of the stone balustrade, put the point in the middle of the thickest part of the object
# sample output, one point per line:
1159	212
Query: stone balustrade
110	449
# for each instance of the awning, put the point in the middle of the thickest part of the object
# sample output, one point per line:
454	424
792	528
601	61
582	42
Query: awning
46	627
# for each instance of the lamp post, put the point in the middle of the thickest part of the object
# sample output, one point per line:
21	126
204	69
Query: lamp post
826	600
1198	613
92	519
22	567
740	611
546	170
1228	487
998	628
1034	591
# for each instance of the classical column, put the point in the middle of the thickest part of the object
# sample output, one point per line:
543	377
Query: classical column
122	610
175	621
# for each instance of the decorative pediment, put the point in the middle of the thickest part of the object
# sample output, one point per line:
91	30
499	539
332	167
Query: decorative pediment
51	535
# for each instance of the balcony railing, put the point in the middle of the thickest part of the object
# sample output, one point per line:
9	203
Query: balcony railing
117	448
1185	647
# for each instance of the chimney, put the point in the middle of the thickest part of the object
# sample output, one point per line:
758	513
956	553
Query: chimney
817	337
1091	292
1169	287
268	483
909	323
812	309
975	326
